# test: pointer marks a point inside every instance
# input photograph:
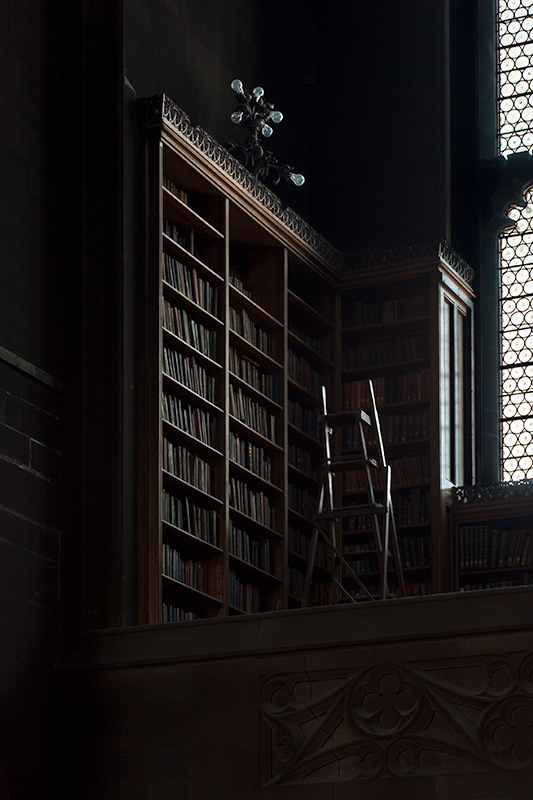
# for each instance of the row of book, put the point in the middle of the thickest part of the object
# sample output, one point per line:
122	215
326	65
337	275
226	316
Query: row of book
252	502
239	285
363	565
192	285
185	570
177	191
320	594
298	542
405	471
484	547
252	413
386	351
410	470
244	596
186	465
413	588
187	371
524	579
250	372
301	501
193	420
410	507
302	460
359	312
301	371
182	236
250	456
241	322
395	429
180	323
183	513
312	340
408	387
172	613
257	552
296	581
415	550
306	419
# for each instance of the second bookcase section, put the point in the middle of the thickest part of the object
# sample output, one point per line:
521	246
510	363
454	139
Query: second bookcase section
407	328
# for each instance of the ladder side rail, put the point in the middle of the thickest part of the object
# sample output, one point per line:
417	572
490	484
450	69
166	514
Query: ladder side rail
394	543
325	494
386	531
380	536
390	530
349	568
319	531
376	424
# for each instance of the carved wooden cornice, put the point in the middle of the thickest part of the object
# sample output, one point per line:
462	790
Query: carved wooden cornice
492	491
162	110
375	256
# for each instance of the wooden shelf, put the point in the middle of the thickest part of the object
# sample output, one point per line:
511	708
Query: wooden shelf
189	394
247	348
189	216
190	441
198	312
177	588
184	486
399	330
179	536
383	330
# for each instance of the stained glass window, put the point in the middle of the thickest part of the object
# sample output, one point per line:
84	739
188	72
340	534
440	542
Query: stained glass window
515	75
515	134
516	336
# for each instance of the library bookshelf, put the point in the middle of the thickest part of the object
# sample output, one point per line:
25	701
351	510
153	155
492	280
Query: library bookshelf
241	312
247	313
492	536
408	327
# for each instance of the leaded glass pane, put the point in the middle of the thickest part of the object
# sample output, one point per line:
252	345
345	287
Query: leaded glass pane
515	75
516	336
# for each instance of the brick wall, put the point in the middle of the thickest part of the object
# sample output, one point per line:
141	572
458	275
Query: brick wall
30	397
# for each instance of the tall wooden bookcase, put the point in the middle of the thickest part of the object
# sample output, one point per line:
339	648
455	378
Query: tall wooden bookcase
247	312
240	325
407	325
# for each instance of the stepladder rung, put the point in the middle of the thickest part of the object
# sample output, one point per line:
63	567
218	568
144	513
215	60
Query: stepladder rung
346	463
345	512
344	419
350	556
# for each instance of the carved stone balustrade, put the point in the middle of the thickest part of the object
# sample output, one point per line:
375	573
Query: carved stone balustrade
416	698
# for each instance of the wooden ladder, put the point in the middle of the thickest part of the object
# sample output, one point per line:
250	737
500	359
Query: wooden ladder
376	506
